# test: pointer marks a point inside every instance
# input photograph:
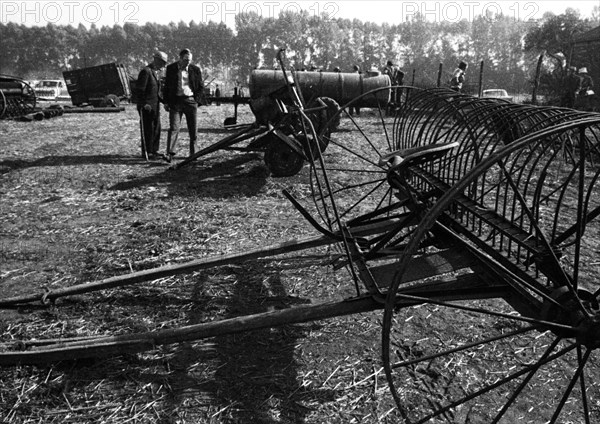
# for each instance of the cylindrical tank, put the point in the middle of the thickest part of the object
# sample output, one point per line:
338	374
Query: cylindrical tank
342	87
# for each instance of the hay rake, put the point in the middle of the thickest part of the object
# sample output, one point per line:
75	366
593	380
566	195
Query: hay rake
476	219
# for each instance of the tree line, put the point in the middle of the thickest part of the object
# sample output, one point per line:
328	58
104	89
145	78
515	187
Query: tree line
508	48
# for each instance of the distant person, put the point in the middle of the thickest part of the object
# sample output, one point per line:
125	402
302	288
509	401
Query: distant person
148	104
458	77
396	79
572	86
586	89
356	108
218	94
587	83
184	91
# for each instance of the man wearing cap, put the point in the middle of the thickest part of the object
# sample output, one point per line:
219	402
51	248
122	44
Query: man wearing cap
148	100
184	91
585	91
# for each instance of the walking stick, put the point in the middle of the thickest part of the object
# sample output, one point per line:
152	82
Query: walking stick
144	152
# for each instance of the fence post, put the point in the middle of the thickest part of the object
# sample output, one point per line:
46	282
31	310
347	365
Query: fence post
536	81
439	78
480	90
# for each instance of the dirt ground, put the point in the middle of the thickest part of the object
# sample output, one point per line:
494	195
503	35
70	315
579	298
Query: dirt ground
79	204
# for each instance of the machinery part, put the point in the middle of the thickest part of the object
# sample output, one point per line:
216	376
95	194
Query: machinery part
341	87
110	100
281	159
528	211
18	97
354	169
321	119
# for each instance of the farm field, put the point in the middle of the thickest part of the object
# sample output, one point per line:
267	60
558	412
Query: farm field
79	204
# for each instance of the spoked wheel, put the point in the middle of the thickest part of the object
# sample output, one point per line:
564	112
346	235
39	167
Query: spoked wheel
349	173
520	344
361	178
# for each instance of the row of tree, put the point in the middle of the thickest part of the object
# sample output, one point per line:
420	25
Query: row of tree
508	48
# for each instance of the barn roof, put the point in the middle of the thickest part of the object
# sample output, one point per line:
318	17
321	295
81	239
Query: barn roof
591	35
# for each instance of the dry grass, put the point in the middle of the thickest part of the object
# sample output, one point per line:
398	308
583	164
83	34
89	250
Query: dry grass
79	204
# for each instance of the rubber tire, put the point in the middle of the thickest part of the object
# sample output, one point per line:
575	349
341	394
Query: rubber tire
282	160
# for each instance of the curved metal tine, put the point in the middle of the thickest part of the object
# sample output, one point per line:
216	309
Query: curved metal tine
497	384
580	207
542	236
572	383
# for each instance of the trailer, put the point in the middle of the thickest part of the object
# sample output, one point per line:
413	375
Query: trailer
100	86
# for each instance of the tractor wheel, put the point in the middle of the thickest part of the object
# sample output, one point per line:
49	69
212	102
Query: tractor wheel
282	160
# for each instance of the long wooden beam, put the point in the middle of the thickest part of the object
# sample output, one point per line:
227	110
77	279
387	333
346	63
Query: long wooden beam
192	266
117	345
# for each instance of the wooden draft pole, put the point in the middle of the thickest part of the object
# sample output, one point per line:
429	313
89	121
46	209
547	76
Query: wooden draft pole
193	266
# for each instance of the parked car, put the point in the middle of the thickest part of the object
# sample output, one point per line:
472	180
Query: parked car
497	93
51	90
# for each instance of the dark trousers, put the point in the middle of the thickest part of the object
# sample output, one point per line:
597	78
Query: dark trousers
184	106
150	128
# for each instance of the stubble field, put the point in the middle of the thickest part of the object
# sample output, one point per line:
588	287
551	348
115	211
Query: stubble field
79	204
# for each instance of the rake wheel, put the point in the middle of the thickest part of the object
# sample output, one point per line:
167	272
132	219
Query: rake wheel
523	347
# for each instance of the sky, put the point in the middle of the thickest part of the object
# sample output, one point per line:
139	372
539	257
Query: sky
111	12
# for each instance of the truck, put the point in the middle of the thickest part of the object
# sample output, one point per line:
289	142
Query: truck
100	86
51	89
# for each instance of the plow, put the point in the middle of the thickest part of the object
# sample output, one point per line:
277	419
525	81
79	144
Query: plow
452	208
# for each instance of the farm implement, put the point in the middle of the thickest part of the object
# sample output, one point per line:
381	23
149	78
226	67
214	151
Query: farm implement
472	224
17	97
291	109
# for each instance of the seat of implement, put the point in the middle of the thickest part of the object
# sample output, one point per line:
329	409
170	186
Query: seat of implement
400	160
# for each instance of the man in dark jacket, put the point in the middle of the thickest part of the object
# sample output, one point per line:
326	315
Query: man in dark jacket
148	100
183	92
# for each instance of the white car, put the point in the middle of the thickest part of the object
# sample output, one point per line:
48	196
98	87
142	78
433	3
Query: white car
497	93
51	90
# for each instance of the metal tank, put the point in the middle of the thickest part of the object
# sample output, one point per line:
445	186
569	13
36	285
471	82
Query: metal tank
342	87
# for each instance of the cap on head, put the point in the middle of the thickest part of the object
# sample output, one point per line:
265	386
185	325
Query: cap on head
583	70
161	55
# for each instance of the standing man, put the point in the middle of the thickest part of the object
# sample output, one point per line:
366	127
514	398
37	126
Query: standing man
148	104
458	77
184	91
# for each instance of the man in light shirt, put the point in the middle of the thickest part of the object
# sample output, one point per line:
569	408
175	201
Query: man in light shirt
183	92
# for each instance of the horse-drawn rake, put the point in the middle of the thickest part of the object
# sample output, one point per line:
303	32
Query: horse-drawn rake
458	215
